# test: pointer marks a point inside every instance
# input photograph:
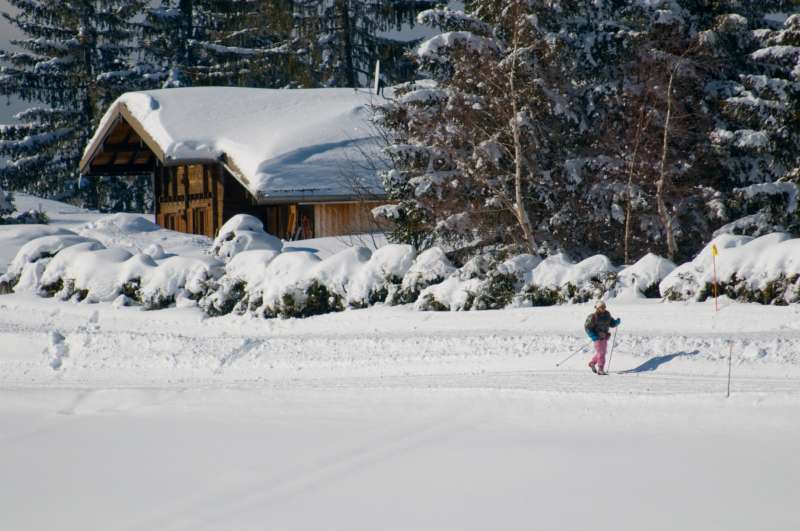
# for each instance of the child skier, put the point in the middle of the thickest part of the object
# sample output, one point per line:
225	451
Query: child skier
597	326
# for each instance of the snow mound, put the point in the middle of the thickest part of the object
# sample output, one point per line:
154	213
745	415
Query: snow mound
764	269
122	223
243	232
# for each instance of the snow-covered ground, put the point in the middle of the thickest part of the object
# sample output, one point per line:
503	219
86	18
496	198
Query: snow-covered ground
391	418
388	418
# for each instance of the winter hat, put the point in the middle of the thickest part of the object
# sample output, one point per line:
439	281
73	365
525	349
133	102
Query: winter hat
600	305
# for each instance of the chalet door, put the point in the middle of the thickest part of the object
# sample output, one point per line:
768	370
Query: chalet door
169	221
199	221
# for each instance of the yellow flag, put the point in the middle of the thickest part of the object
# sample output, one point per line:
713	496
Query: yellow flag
714	251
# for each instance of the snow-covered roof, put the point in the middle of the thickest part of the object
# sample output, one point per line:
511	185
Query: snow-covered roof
301	143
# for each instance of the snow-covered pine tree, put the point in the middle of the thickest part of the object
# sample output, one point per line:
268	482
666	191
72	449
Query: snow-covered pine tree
756	99
6	205
73	61
476	149
344	38
166	31
222	42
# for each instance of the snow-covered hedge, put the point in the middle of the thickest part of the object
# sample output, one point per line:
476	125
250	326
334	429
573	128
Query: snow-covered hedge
299	284
263	279
72	267
764	269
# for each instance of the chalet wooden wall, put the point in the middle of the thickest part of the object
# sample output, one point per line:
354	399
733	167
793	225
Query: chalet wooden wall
200	198
336	219
190	198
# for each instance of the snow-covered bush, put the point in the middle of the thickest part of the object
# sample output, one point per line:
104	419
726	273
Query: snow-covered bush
244	273
276	289
430	267
28	265
89	271
641	280
481	284
764	269
72	267
380	278
176	278
243	232
557	280
454	293
29	217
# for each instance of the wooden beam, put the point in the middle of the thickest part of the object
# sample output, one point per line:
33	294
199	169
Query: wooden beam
120	169
214	201
186	196
122	148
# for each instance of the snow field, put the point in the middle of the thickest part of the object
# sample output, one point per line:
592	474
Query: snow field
380	458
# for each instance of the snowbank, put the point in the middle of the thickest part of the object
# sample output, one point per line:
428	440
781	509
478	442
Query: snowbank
764	269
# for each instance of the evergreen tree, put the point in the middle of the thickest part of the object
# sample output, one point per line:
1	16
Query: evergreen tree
476	152
221	42
344	38
6	205
644	118
74	60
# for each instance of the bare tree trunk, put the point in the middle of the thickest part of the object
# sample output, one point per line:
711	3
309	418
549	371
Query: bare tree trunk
631	169
664	181
347	43
520	212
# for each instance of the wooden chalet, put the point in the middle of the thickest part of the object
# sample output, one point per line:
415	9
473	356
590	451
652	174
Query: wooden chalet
199	187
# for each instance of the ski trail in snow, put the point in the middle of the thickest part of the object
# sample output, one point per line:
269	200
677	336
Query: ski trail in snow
210	511
247	345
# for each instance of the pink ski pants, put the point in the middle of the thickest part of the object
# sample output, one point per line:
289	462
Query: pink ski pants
600	347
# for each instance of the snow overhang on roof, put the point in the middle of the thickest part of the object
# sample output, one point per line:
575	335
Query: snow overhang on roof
298	144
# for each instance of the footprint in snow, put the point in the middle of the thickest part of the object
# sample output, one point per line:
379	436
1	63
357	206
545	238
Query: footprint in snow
57	349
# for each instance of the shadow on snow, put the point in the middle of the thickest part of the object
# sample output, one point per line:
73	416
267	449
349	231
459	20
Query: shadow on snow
654	363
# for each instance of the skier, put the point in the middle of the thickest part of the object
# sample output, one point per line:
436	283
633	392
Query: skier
597	326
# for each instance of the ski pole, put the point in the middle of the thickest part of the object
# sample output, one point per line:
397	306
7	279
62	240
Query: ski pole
611	353
568	357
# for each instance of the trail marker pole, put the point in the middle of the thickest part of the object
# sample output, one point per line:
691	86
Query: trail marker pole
714	254
611	353
568	357
730	362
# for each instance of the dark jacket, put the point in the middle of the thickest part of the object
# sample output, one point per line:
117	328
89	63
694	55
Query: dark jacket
598	324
